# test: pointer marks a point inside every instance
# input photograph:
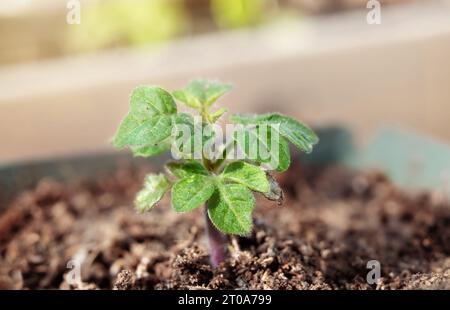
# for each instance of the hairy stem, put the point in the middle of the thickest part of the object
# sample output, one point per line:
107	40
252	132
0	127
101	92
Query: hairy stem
216	240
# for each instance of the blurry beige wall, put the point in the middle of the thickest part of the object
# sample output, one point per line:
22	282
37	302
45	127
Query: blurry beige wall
332	69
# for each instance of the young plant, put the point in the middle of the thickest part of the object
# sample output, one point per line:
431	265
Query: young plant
222	176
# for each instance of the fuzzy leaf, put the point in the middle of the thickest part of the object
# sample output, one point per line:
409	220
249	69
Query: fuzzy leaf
155	186
141	133
184	119
193	95
256	145
215	90
297	133
188	100
218	114
149	121
151	150
285	155
148	101
186	169
189	193
201	92
246	174
230	208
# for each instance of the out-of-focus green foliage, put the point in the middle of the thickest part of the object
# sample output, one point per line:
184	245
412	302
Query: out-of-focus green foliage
238	13
110	23
128	22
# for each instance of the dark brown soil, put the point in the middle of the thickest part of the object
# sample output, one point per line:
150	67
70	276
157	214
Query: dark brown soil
332	223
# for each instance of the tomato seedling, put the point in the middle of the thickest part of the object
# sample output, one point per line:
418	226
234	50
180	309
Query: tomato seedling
220	175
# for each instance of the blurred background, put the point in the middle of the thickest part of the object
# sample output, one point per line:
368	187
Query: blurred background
64	86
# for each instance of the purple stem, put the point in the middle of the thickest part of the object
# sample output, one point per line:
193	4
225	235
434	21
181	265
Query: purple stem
217	241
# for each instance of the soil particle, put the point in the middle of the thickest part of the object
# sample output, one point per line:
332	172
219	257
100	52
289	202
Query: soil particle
332	222
126	280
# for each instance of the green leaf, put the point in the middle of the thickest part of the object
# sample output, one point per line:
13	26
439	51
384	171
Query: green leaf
184	119
230	208
186	169
215	90
148	101
154	189
200	92
296	132
141	133
149	121
284	156
218	114
246	174
191	192
256	145
193	95
190	101
275	193
151	150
